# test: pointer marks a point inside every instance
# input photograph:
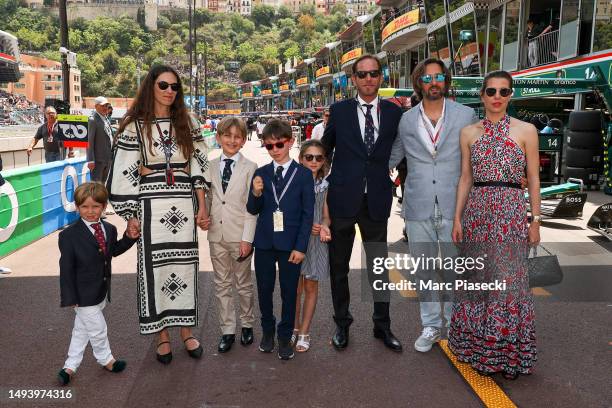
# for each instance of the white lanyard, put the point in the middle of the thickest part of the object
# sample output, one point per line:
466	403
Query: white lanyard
434	139
278	199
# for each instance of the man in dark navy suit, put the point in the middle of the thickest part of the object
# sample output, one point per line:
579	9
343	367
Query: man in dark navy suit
282	195
361	132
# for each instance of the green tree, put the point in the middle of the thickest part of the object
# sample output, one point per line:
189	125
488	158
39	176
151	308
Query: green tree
251	72
283	12
263	15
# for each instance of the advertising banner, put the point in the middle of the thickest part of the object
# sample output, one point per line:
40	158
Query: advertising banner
72	129
351	55
38	200
322	71
403	21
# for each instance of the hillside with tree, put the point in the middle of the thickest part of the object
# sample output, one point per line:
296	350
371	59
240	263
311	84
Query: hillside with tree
111	52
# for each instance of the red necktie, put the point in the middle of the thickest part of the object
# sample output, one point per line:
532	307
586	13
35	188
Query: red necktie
99	236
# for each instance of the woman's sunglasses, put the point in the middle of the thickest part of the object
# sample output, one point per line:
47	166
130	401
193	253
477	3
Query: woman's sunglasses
427	79
503	92
310	157
270	146
163	85
364	74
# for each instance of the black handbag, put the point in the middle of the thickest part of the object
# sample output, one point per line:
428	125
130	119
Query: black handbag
543	270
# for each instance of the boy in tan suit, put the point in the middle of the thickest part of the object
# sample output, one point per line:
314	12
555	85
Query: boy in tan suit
231	231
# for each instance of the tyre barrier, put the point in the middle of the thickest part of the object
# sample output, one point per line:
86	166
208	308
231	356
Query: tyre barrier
38	200
585	121
589	176
584	140
585	158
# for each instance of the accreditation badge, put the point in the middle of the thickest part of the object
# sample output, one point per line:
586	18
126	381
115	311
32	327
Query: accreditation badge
277	217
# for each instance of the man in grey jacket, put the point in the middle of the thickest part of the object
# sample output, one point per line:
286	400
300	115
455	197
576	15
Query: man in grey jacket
428	137
100	138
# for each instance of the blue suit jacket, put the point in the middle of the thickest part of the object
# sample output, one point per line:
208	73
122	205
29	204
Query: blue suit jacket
297	206
352	166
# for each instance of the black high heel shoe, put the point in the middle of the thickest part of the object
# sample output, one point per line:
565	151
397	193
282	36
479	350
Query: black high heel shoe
164	358
509	376
196	352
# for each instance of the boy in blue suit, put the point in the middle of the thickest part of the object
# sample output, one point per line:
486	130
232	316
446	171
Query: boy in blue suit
282	195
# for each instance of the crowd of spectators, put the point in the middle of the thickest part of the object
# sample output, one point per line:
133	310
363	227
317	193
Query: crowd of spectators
18	110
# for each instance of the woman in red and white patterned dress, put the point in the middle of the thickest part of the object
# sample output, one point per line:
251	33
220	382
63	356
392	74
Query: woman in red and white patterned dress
494	331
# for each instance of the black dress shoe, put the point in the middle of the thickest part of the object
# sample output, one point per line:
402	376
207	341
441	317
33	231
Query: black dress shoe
63	377
118	366
164	358
225	344
267	343
341	338
196	352
246	336
285	351
389	339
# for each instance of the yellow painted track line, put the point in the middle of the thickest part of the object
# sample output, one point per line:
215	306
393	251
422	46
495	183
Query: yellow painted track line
396	276
491	395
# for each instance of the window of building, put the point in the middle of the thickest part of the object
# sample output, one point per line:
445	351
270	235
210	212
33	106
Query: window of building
19	85
48	88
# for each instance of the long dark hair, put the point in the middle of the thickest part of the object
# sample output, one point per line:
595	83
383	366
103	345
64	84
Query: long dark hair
143	108
496	74
419	71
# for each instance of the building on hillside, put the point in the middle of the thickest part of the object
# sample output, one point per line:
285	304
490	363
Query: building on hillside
295	5
42	81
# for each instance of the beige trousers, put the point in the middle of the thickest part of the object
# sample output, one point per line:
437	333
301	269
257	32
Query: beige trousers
230	273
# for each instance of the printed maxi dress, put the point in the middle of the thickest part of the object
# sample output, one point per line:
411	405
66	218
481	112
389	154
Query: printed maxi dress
167	274
494	331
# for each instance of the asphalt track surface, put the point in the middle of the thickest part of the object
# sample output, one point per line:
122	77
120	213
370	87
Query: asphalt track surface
574	344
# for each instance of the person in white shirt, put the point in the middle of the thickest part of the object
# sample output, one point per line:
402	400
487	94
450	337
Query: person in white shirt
317	132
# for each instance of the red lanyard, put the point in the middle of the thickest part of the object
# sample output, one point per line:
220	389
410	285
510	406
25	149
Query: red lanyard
434	139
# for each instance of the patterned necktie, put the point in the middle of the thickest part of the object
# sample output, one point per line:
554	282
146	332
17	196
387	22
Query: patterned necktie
278	179
368	136
227	173
99	236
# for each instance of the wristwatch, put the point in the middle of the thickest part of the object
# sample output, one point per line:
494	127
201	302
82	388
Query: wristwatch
536	218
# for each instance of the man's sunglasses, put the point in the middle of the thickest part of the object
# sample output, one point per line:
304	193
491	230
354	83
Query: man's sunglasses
427	79
270	146
310	157
364	74
163	85
503	92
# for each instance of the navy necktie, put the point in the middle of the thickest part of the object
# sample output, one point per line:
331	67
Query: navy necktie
278	179
368	136
227	173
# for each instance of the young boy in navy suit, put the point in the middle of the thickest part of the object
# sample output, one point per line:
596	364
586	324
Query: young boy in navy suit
282	195
87	247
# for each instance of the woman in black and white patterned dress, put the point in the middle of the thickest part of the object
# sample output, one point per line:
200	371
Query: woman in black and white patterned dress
157	182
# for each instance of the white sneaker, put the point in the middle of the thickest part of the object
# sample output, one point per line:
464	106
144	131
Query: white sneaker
426	340
4	271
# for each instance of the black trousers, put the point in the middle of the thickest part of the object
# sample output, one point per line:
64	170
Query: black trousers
340	248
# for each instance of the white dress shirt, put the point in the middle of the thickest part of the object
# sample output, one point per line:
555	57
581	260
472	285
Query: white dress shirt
362	111
223	163
92	230
285	165
317	131
433	130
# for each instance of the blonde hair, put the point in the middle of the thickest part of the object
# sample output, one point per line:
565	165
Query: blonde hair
232	121
94	189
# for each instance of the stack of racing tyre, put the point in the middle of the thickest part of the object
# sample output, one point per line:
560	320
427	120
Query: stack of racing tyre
584	139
